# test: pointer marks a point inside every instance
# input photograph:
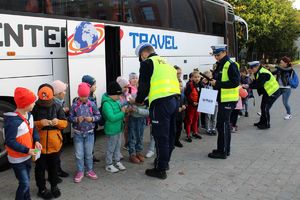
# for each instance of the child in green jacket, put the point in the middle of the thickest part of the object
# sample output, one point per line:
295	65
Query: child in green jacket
113	127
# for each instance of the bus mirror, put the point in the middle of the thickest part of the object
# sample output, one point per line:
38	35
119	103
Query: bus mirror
244	25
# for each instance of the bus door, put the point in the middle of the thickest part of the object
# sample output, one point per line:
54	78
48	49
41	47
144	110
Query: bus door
86	55
112	53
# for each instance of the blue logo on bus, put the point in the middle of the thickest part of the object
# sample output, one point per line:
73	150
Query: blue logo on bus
157	40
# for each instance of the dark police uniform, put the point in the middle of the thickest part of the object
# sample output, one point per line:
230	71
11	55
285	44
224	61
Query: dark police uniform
268	87
163	95
227	78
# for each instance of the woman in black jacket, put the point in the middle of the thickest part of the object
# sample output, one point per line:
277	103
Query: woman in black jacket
283	73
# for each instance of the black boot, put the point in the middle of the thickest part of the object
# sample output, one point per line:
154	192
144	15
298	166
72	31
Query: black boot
217	155
62	173
263	126
257	124
178	144
45	194
216	151
246	114
156	173
55	192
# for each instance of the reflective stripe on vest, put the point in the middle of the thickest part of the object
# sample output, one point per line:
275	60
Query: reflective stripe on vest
228	94
271	86
164	80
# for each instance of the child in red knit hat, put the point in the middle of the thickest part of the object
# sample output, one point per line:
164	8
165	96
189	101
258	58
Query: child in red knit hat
21	139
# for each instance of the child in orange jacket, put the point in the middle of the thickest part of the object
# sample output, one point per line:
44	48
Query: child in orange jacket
50	120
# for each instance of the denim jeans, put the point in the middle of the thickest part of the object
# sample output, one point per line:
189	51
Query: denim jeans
113	147
84	145
136	126
286	92
22	173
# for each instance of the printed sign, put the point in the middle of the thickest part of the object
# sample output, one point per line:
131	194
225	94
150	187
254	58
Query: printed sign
207	101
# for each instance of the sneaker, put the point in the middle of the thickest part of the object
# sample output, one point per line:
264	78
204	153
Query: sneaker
214	132
140	157
188	139
55	192
234	129
287	117
246	114
178	144
111	168
120	166
258	113
156	173
45	194
62	173
78	177
92	175
197	136
134	159
149	154
125	147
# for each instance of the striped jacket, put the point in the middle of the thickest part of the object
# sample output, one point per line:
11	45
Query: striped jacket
18	138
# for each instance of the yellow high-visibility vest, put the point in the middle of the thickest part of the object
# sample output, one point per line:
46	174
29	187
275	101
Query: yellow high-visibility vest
271	86
164	80
228	94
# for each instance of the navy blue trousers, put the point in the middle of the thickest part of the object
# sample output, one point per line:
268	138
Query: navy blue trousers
163	118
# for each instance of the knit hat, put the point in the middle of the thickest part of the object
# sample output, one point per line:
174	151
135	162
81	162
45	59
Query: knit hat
45	92
132	75
123	82
114	89
84	90
23	97
59	86
89	80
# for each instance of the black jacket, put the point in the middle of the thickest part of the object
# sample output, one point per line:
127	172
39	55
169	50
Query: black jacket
146	71
283	75
260	82
233	75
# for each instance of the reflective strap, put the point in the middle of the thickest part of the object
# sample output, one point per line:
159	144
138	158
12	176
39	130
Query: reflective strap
229	95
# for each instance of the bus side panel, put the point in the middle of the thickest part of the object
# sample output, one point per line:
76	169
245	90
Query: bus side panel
60	72
187	50
86	55
31	82
25	68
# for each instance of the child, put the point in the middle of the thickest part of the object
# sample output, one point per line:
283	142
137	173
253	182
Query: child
210	119
60	88
50	120
179	117
113	127
136	126
21	139
192	92
124	101
84	115
92	97
235	113
245	79
133	81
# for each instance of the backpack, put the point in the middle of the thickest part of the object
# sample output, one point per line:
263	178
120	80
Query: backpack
78	103
102	120
293	80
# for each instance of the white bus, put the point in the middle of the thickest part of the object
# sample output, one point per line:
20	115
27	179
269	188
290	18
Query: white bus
46	40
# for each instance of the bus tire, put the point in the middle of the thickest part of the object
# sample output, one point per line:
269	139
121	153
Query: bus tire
4	107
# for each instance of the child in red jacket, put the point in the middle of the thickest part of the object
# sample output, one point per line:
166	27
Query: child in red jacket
192	92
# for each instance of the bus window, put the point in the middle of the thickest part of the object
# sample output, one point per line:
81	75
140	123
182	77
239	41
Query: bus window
231	39
33	6
147	12
183	16
215	18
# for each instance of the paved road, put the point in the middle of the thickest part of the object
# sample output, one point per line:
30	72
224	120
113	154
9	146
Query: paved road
263	165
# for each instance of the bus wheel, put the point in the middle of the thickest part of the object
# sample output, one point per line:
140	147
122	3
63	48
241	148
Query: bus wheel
4	107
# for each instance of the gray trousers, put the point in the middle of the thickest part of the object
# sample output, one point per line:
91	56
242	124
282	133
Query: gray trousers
211	120
113	147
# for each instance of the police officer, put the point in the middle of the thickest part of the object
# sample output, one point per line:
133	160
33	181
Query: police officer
158	80
226	79
266	85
